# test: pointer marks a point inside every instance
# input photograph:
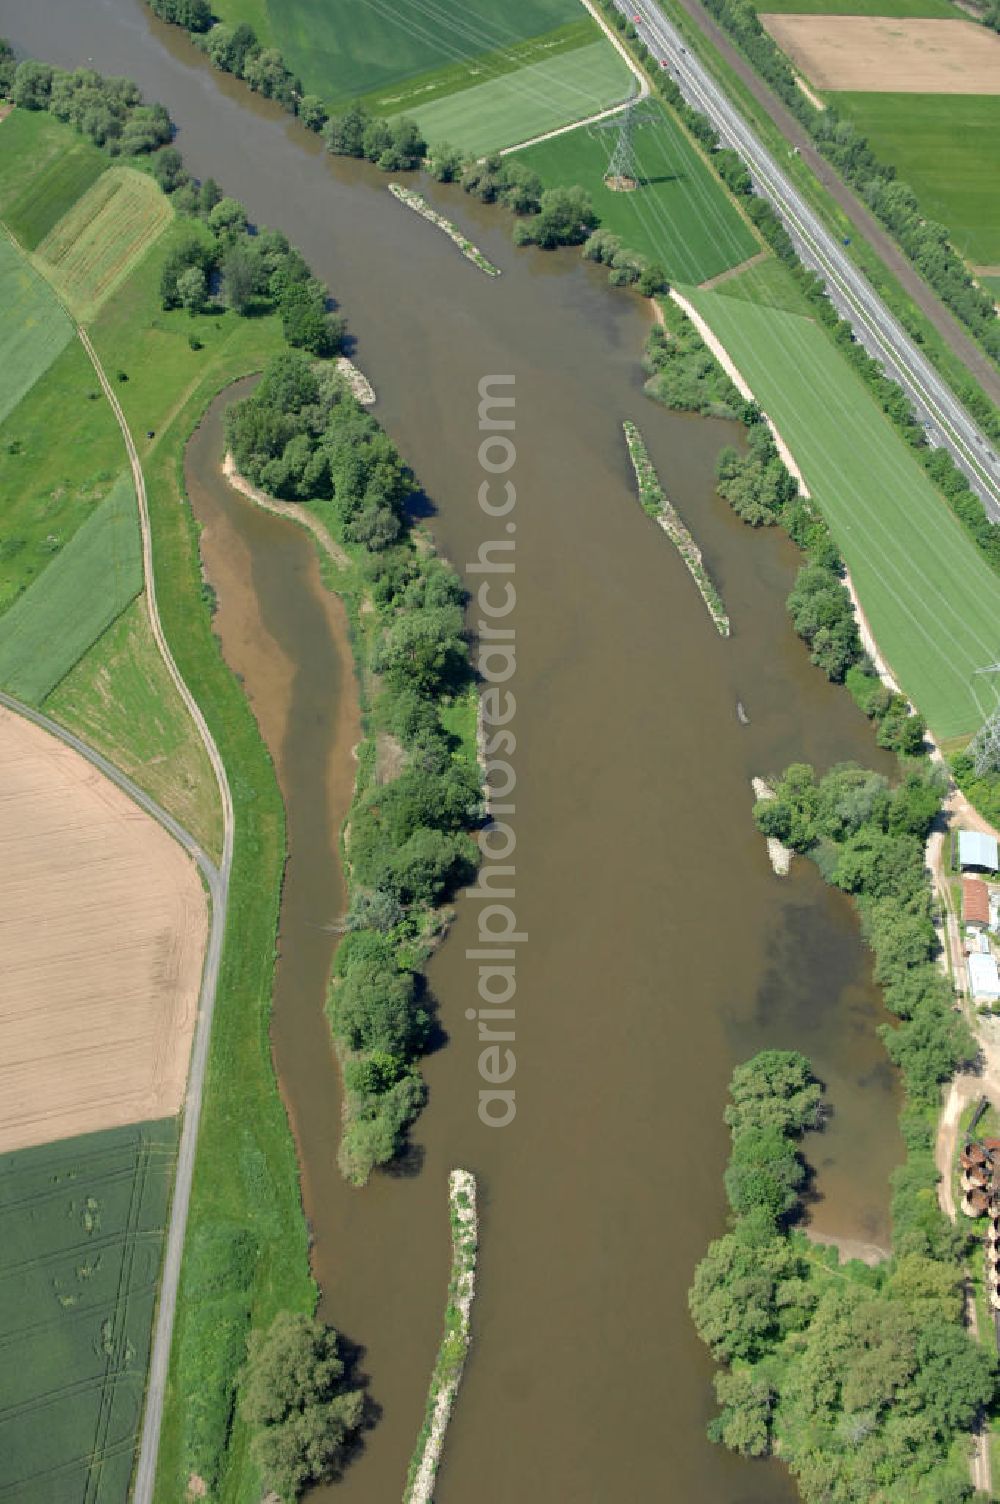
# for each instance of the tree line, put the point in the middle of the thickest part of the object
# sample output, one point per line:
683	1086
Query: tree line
109	111
861	1380
868	840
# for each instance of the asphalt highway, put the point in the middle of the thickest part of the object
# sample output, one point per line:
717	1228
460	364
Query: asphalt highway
946	421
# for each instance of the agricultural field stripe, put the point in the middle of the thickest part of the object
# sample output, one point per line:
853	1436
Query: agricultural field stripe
535	99
34	327
933	602
467	73
99	241
86	586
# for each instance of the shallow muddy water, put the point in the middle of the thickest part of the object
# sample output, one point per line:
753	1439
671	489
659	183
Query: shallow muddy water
661	949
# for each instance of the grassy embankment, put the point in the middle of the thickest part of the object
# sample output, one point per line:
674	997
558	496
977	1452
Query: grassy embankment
947	147
83	1227
837	222
932	600
681	215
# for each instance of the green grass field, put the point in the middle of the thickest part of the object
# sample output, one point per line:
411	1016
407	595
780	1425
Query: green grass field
947	147
33	327
933	602
992	285
33	144
466	73
681	215
52	191
87	584
769	284
83	1224
529	102
939	8
343	48
50	489
97	242
120	699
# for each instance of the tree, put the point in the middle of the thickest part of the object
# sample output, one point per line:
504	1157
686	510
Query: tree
168	169
228	219
32	85
747	1399
566	217
344	134
242	275
445	163
776	1089
192	289
312	112
298	1403
764	1173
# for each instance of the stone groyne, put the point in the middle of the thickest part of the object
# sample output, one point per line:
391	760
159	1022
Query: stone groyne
454	1347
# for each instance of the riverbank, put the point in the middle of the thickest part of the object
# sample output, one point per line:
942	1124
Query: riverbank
455	1343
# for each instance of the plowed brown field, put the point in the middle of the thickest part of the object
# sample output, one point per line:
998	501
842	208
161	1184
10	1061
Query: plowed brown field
103	923
890	54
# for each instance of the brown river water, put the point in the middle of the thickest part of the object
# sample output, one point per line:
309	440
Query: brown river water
660	950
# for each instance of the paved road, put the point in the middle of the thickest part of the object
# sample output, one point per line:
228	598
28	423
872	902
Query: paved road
954	334
218	882
948	422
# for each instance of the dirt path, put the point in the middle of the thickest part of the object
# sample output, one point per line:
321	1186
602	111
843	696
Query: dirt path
614	109
865	223
159	1362
734	271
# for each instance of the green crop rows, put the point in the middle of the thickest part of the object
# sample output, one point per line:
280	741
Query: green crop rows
88	584
83	1227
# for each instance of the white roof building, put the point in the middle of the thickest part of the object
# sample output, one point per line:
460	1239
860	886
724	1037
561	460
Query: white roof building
977	850
984	978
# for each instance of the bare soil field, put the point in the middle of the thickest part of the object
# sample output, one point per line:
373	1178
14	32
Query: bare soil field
890	55
103	924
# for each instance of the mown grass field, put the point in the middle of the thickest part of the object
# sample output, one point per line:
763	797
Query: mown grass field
69	606
342	48
933	603
120	699
83	1224
681	215
400	98
535	99
947	147
97	242
33	327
